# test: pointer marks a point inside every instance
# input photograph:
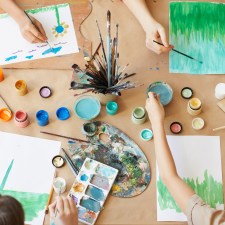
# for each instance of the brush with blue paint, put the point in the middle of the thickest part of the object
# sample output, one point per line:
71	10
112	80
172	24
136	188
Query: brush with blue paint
70	163
188	56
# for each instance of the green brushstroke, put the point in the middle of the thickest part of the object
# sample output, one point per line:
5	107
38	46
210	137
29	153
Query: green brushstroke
6	176
57	15
32	203
197	29
210	190
4	15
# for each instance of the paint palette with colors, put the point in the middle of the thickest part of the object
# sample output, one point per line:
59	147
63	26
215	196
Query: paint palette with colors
91	188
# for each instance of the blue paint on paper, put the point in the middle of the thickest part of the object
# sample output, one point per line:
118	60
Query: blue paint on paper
105	171
59	29
84	177
95	193
29	56
90	204
10	58
52	50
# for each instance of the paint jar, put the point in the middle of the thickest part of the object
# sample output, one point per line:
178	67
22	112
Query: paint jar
59	185
21	87
42	118
21	119
220	91
194	106
89	129
111	108
1	75
5	114
146	134
63	113
139	115
45	92
198	123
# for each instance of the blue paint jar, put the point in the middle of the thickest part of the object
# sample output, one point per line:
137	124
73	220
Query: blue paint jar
42	118
62	113
111	108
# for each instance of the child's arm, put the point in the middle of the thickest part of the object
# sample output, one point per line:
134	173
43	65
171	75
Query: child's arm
30	32
180	191
153	29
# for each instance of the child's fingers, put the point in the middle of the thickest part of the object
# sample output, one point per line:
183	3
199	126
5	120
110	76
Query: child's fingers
41	31
37	34
30	37
72	205
52	208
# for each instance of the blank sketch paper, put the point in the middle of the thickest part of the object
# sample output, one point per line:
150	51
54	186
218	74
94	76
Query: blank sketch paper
58	25
198	162
26	172
197	29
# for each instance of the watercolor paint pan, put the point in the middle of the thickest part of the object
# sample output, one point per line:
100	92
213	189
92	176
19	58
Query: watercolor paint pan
91	188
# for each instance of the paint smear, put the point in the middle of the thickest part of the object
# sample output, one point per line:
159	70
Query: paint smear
105	171
78	187
86	215
29	56
52	50
90	204
10	58
84	177
100	181
95	193
90	164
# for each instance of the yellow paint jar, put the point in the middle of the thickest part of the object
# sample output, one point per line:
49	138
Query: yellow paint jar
194	106
21	87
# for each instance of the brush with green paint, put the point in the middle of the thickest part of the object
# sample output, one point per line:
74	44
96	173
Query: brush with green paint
179	52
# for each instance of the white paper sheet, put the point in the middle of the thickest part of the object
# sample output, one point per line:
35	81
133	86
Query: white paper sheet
193	156
58	25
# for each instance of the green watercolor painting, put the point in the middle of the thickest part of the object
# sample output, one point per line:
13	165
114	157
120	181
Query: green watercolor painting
32	203
210	190
197	29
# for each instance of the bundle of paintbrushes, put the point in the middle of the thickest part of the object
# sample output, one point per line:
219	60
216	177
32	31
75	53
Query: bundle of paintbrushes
102	73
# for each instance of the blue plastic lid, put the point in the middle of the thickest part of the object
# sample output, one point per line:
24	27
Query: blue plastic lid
62	113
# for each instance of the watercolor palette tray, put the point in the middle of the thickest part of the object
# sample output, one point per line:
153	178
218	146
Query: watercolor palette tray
91	188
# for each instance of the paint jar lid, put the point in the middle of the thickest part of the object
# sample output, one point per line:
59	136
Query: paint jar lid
198	123
5	114
63	113
58	161
45	92
187	92
146	134
176	127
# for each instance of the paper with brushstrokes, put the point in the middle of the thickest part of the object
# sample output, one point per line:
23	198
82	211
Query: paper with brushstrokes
58	25
120	152
26	172
198	162
197	29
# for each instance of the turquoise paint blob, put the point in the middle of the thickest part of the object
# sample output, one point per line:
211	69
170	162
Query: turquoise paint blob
29	56
84	177
52	50
105	171
10	58
95	193
164	90
146	134
90	204
87	108
59	29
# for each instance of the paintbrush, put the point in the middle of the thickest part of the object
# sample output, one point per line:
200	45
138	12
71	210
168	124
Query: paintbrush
49	197
219	128
5	103
108	41
180	52
35	26
57	135
56	210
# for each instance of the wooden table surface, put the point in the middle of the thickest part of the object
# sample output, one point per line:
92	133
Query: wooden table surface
149	68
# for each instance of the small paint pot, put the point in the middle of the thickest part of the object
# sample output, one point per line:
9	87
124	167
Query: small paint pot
138	115
21	119
89	129
198	123
1	75
186	92
194	106
42	118
220	91
62	113
59	185
5	114
21	87
146	134
58	161
176	127
111	108
45	92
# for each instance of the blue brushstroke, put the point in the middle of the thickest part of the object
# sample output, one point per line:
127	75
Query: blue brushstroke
29	56
59	29
90	204
52	50
105	171
95	193
84	177
10	58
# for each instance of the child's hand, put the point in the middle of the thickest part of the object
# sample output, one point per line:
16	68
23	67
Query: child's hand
155	31
155	109
33	34
66	212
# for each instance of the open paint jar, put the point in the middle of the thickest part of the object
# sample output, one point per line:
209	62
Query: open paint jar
89	129
146	134
198	123
176	127
138	115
